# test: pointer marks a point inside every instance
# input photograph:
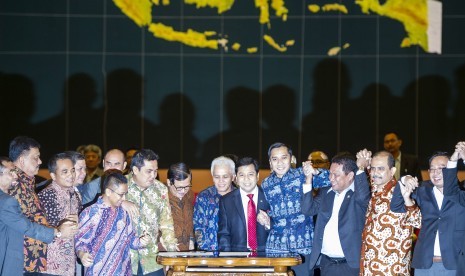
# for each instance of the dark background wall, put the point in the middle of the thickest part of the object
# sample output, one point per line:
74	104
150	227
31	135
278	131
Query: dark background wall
78	72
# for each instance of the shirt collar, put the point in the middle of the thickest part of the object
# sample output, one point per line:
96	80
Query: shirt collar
254	192
351	187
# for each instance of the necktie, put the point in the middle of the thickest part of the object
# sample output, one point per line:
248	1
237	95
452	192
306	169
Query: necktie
251	224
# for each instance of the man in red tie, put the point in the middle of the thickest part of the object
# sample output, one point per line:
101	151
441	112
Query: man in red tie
238	229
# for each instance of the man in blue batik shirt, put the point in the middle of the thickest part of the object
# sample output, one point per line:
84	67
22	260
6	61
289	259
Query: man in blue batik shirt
206	206
291	231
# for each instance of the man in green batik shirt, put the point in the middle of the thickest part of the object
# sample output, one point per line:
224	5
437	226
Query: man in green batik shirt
151	196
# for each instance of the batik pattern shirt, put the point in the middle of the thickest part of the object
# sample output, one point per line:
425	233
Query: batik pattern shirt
206	208
387	236
35	251
155	216
107	234
291	230
182	211
58	202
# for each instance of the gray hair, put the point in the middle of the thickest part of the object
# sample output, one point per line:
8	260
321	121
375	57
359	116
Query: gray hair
223	161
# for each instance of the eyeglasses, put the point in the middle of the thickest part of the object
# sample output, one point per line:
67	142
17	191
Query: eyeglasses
179	189
319	162
435	170
120	195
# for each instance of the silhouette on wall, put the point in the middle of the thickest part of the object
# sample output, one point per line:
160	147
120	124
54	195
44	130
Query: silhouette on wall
173	139
320	128
122	118
459	108
433	94
369	117
242	136
77	123
279	110
17	101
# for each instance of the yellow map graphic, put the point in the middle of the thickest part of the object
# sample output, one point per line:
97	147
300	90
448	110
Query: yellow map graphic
413	14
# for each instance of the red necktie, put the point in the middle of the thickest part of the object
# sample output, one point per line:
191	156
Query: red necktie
251	224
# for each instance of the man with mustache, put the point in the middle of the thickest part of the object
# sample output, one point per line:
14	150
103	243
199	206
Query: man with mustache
14	225
25	155
387	236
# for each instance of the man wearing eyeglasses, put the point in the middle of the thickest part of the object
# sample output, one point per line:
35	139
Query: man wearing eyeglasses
106	232
182	204
443	226
319	160
151	197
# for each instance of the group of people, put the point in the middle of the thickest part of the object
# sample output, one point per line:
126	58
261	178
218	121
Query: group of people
351	214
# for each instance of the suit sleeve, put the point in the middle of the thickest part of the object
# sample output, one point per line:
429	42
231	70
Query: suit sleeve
452	190
224	236
362	191
398	203
12	216
310	205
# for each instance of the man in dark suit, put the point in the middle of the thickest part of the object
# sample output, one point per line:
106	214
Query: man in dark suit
458	195
443	221
341	212
14	225
406	164
239	209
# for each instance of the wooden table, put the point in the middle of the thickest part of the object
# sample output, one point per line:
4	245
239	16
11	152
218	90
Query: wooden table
228	263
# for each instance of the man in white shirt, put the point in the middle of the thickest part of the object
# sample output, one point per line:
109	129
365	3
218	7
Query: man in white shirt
442	231
238	226
341	212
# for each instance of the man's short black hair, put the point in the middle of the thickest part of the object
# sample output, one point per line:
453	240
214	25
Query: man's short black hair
113	179
347	161
245	161
142	155
52	163
21	145
278	145
75	156
436	154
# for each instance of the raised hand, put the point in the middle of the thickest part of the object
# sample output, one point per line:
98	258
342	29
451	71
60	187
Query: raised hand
363	158
308	168
407	187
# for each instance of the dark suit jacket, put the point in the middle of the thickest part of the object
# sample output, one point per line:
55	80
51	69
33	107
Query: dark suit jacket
351	219
409	166
232	231
455	194
13	227
450	221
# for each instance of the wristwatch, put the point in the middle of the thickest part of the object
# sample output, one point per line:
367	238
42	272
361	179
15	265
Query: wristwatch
58	234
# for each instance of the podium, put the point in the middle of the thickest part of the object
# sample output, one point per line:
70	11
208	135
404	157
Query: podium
228	263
